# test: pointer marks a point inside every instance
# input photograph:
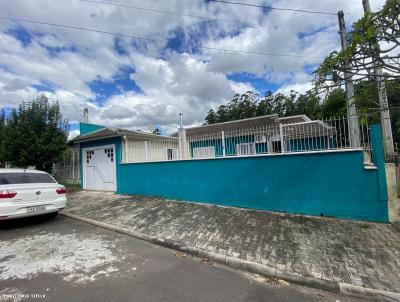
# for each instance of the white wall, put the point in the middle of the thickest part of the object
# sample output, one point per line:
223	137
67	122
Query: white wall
156	150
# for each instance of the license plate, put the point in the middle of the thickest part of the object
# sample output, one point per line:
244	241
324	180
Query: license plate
36	209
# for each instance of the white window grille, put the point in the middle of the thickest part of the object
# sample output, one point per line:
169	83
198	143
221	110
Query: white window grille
285	136
204	152
246	149
259	138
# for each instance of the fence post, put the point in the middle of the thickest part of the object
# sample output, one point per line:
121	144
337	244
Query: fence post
223	143
183	150
145	150
180	147
73	164
282	140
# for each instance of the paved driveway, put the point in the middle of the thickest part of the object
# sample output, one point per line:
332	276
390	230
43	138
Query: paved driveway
360	254
67	260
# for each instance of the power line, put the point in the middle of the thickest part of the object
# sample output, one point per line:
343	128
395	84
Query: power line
275	8
153	40
81	28
180	14
167	12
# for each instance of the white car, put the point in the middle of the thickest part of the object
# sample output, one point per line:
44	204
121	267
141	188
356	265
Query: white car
26	192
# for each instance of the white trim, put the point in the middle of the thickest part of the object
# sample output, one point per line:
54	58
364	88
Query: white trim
84	163
305	117
255	155
95	139
235	121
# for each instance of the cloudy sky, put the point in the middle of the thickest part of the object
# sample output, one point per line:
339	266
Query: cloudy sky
141	84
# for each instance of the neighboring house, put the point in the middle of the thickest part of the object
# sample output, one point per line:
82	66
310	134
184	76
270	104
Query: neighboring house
102	148
260	135
291	164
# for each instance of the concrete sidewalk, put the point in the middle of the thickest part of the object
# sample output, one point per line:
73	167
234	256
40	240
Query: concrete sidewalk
323	252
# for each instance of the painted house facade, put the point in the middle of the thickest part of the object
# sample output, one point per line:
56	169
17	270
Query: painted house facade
292	164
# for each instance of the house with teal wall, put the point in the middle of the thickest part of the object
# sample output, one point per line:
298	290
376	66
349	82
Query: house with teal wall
260	135
292	165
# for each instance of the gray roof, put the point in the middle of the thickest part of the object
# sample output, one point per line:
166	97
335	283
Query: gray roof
109	132
294	119
315	128
300	126
255	122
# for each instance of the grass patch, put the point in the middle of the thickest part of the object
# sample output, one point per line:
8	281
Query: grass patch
397	247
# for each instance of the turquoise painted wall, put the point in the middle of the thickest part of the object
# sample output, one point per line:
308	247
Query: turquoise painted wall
117	141
331	183
379	160
87	128
328	183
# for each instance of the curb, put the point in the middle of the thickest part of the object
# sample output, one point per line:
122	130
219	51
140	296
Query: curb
250	266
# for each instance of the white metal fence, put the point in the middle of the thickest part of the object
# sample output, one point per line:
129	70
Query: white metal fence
159	149
67	170
318	135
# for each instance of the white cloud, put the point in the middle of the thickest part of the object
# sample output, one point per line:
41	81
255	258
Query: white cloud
170	82
73	133
299	87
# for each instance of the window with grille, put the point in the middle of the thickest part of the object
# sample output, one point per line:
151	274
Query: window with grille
204	152
276	147
246	149
171	154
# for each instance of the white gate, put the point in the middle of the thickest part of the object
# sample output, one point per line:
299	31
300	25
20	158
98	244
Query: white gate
99	168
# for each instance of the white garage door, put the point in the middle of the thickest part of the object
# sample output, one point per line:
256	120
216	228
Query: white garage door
99	168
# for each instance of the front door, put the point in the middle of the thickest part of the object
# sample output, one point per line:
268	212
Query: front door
100	168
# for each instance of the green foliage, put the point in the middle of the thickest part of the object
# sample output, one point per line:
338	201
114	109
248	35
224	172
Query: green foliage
35	135
367	100
333	105
375	35
250	105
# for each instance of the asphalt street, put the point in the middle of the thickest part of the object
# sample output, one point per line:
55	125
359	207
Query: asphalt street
62	259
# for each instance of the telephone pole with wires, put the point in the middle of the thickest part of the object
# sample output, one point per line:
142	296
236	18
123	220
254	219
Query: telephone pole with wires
352	116
382	95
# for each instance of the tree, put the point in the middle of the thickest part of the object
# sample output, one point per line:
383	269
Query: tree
366	93
250	105
374	40
335	104
35	135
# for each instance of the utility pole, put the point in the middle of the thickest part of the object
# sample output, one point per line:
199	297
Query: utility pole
383	101
352	116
